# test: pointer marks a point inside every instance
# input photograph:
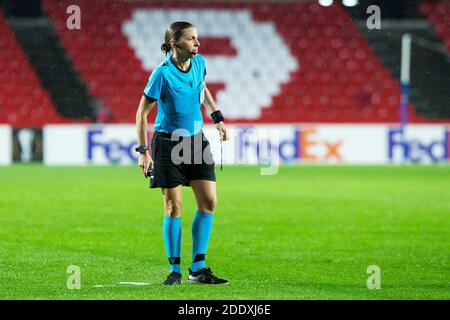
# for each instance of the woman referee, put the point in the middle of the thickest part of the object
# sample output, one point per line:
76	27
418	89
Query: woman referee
178	85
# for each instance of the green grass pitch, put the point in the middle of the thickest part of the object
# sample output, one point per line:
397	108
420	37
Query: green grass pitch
309	232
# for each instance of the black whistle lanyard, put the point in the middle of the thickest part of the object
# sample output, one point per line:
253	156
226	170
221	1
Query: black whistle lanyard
221	154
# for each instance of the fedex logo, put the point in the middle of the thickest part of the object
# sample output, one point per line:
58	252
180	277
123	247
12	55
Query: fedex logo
305	144
104	148
313	148
426	148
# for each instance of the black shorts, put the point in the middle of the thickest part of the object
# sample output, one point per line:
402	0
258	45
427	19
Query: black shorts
177	162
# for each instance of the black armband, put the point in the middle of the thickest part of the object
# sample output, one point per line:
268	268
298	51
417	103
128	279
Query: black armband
217	116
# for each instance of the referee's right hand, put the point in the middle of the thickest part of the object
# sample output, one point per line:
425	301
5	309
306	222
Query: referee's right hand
145	161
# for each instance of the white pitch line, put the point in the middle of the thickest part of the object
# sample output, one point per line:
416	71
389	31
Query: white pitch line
103	286
134	283
121	284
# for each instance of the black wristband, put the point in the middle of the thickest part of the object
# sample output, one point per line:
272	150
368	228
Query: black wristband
217	116
142	149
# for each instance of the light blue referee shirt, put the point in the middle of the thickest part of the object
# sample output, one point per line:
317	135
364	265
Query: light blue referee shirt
179	95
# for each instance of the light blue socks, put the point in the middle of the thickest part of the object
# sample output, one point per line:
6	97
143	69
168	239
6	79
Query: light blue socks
172	240
201	232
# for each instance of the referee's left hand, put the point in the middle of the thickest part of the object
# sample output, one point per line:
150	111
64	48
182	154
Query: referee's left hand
222	131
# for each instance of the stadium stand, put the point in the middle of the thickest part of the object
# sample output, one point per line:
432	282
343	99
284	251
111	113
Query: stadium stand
313	64
23	100
429	68
101	54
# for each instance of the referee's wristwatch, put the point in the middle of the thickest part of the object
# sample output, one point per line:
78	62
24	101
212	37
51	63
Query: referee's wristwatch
142	149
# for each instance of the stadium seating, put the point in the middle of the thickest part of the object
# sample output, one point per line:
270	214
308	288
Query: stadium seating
438	14
322	69
23	101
